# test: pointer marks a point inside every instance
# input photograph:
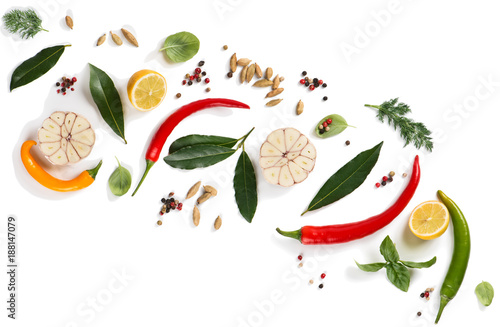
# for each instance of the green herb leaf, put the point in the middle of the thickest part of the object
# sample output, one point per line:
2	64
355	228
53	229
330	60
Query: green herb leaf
398	275
26	23
410	131
181	46
107	99
346	179
120	180
337	126
371	267
418	265
485	293
196	139
36	66
198	156
245	187
388	250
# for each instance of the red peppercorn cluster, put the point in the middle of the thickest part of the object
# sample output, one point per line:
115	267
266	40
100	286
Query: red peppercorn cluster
65	85
324	126
197	76
169	204
385	180
312	83
427	293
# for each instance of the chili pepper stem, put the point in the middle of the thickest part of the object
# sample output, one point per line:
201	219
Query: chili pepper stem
296	234
93	172
149	164
442	304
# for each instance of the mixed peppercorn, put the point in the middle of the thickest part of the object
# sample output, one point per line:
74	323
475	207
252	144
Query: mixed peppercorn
197	76
312	83
324	126
386	179
169	204
65	85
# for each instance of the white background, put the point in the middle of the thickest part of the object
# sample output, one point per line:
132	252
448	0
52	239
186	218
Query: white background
435	56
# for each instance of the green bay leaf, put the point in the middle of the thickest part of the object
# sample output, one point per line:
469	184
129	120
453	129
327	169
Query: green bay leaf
107	99
346	179
198	156
196	139
245	187
181	46
36	66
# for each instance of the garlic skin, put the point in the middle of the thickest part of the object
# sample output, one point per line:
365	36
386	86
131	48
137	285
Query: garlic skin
287	157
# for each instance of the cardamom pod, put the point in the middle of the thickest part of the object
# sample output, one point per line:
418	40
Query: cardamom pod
275	92
217	223
300	107
250	72
210	189
204	197
243	62
276	82
258	71
243	74
69	22
193	190
116	38
263	83
232	63
130	37
196	216
272	103
269	73
101	40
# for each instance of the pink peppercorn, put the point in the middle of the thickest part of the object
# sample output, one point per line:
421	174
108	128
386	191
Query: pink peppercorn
329	121
302	81
377	185
299	257
197	70
207	80
384	178
325	124
323	275
311	87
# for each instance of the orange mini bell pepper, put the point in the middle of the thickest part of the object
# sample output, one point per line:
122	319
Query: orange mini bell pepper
85	179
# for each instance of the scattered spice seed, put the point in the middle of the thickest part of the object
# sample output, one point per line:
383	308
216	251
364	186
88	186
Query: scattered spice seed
299	257
327	128
101	40
201	63
193	190
233	63
385	178
116	38
190	83
210	189
300	107
208	89
204	197
203	73
405	174
419	313
178	95
282	78
432	289
311	281
130	37
324	85
392	173
269	73
304	73
325	98
196	216
217	223
250	73
163	200
159	223
230	74
243	62
323	275
377	185
258	71
276	82
426	294
302	81
225	47
422	295
243	74
69	21
273	103
389	179
263	83
320	286
384	183
187	76
300	265
311	87
275	92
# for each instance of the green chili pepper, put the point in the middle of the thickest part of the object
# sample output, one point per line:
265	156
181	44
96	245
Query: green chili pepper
460	257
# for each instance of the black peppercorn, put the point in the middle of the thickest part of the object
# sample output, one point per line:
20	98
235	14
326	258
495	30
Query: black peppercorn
190	83
306	84
419	313
320	286
315	80
163	200
203	73
63	89
321	131
324	84
304	73
390	179
57	84
316	84
422	295
230	74
347	142
384	183
198	79
201	63
325	98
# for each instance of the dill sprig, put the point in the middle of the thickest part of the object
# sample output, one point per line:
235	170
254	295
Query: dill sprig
410	131
26	23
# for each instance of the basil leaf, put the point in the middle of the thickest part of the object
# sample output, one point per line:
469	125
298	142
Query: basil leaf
371	267
346	179
398	275
245	187
198	156
388	250
120	180
107	99
181	46
419	265
36	66
196	139
337	126
485	293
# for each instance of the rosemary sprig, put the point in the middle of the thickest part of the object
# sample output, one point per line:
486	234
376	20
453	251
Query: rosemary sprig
410	131
26	23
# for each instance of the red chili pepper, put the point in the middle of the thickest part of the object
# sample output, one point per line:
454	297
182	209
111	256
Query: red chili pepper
352	231
158	140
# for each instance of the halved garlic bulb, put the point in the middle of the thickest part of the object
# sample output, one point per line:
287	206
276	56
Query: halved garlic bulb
287	157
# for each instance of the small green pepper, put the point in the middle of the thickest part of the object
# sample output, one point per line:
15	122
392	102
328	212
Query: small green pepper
460	257
335	124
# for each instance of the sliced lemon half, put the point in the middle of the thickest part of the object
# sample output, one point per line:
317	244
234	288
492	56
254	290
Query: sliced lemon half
429	220
146	89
